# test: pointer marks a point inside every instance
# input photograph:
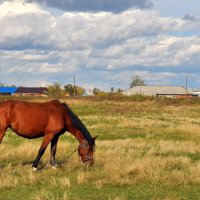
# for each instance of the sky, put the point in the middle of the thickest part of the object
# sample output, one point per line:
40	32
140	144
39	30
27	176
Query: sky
102	42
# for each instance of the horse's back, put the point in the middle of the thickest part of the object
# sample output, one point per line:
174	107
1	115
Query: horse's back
32	119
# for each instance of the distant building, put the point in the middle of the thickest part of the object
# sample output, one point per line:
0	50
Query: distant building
196	92
31	91
7	90
88	93
159	91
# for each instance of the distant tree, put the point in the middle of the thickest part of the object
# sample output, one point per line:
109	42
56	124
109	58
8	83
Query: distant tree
137	81
79	91
112	89
73	90
13	86
119	90
96	90
68	89
55	90
3	85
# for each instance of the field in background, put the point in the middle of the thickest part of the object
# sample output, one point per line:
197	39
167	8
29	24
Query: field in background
146	149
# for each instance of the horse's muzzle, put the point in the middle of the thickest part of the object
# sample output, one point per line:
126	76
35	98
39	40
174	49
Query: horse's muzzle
89	163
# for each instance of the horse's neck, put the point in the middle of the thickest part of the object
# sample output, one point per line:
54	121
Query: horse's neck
78	128
76	133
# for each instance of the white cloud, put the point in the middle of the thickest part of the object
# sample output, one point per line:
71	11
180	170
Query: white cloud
161	51
78	31
36	43
17	7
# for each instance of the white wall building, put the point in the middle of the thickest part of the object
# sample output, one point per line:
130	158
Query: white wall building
167	91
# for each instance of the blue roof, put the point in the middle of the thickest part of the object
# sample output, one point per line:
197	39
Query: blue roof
10	90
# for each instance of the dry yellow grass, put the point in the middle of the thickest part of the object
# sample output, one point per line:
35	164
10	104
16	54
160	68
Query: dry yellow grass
135	160
121	161
159	150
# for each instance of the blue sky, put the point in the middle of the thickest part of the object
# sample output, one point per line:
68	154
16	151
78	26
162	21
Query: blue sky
103	42
176	9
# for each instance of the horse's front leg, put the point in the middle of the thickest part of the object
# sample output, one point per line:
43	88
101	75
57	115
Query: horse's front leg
53	151
47	139
2	133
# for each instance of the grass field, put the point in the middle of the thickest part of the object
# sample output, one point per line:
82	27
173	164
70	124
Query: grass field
146	149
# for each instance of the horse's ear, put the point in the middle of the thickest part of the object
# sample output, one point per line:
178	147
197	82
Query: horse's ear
94	138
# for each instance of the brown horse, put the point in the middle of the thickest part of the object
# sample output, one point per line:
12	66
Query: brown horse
49	119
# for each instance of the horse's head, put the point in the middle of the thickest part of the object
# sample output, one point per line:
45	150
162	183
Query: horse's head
86	151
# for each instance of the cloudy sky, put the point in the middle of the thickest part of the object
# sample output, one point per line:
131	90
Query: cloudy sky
103	42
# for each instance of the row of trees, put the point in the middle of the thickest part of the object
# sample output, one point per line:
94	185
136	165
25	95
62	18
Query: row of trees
135	81
71	90
56	90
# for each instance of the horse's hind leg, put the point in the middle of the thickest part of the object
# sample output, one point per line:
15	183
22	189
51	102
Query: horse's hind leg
2	133
53	150
47	139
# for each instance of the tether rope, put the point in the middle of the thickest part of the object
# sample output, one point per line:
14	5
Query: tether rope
63	161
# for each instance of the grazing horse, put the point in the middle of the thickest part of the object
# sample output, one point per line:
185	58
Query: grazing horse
48	120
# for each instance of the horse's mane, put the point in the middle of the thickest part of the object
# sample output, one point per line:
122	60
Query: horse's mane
79	124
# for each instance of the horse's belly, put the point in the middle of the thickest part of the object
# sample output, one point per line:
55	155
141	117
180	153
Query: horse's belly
30	136
28	131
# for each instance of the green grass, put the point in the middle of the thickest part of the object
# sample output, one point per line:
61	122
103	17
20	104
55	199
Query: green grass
146	149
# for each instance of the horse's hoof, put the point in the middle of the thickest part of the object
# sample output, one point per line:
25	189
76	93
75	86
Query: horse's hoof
54	166
34	169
